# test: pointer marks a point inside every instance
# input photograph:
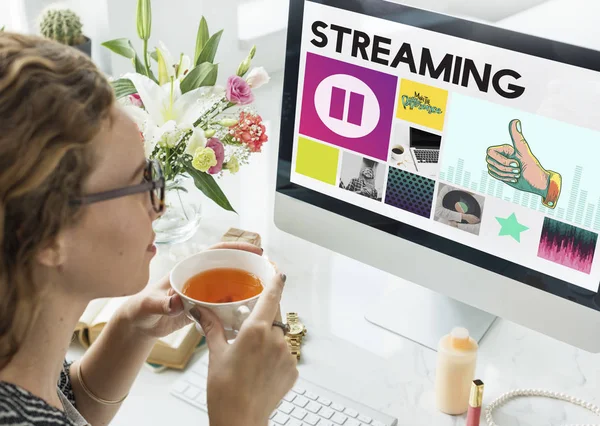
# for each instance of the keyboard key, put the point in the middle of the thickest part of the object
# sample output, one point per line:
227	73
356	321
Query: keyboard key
294	422
352	422
299	413
281	418
286	407
313	407
201	398
311	395
338	418
377	423
289	397
337	407
300	401
325	423
350	412
180	387
192	392
273	414
324	401
326	413
311	419
299	390
365	419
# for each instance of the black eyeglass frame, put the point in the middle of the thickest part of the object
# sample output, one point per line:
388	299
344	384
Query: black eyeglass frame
150	186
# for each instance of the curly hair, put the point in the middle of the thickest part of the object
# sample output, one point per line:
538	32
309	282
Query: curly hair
53	102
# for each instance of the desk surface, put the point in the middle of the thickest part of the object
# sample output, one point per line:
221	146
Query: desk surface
347	354
362	361
342	350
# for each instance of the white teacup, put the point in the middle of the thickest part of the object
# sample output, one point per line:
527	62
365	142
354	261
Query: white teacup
233	314
397	156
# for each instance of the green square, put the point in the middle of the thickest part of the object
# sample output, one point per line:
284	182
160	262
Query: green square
317	161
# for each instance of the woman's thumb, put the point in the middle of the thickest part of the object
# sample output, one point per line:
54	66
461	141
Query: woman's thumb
212	327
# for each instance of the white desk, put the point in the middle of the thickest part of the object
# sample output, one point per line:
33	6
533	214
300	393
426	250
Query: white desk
346	353
349	355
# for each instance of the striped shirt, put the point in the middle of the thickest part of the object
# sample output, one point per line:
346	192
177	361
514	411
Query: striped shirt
19	407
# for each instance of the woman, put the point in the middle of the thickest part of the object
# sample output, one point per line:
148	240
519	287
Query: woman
63	140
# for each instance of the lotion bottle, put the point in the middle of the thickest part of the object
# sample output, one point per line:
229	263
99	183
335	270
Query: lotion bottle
456	361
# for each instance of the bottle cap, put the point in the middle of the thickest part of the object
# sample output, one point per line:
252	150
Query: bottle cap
459	338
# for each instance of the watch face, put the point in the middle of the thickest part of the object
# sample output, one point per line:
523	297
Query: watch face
296	329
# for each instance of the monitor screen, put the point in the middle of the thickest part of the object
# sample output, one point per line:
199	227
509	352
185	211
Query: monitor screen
513	189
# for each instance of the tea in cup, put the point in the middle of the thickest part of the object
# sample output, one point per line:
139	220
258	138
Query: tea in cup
226	281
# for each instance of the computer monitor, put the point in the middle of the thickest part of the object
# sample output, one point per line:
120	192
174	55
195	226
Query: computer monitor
509	225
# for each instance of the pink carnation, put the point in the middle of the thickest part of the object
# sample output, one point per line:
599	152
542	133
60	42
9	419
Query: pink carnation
216	145
250	131
136	100
238	91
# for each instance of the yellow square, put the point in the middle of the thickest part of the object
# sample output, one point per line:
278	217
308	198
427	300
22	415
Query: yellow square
317	161
422	104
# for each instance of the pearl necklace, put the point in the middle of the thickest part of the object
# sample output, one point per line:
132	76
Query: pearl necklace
537	392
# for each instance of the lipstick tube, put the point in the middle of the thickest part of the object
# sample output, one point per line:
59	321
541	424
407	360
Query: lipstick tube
475	403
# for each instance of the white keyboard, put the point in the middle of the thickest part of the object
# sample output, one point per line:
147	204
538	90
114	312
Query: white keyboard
307	404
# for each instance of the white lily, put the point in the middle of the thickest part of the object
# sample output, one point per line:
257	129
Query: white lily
166	109
196	140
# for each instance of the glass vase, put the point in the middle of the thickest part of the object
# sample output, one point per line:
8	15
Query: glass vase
182	215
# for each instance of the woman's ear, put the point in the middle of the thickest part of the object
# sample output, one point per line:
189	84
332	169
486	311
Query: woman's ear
52	254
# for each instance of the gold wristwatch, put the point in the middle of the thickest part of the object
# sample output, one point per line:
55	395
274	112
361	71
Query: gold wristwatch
296	333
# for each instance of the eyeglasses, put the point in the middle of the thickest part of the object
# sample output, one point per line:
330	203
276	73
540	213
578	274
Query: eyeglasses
154	183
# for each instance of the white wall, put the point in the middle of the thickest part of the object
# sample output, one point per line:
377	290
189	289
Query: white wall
262	22
94	16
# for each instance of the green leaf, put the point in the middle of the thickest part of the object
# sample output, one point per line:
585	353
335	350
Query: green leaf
202	75
123	87
154	55
121	46
210	49
201	38
207	184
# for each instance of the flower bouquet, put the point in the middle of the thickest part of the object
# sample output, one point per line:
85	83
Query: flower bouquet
193	127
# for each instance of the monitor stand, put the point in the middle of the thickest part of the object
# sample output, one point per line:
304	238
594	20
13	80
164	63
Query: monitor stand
425	316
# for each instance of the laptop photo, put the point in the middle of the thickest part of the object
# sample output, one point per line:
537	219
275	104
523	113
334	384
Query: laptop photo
425	151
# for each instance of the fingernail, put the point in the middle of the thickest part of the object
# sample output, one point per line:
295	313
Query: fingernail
283	277
518	125
514	165
171	303
195	313
550	203
516	170
514	181
517	176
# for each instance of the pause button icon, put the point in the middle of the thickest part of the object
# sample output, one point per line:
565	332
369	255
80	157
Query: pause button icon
337	107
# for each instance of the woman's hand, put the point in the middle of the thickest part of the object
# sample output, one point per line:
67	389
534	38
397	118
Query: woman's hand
157	311
248	378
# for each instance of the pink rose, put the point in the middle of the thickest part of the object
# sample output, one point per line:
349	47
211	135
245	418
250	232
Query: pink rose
216	145
239	91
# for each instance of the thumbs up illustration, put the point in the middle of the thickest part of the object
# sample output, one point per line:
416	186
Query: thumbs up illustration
516	165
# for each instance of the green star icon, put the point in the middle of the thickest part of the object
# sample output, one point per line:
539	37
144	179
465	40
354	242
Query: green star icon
510	226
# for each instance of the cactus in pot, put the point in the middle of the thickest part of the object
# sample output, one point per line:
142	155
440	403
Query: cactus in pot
64	26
